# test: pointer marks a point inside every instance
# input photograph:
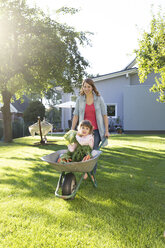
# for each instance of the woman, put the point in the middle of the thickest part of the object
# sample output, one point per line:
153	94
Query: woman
90	106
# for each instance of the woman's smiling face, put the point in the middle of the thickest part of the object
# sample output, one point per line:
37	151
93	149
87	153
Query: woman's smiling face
87	88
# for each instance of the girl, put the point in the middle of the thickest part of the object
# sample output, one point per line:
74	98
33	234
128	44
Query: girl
80	144
84	136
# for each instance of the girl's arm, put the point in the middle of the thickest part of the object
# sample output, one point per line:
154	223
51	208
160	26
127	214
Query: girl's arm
74	121
72	147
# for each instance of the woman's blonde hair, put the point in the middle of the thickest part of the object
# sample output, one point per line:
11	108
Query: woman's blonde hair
86	123
91	83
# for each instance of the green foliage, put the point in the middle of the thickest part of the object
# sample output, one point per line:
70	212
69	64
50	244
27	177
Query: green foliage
66	10
53	115
81	152
52	97
151	55
17	129
70	137
36	53
77	155
32	112
36	49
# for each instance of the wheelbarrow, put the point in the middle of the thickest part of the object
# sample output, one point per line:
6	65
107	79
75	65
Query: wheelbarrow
67	181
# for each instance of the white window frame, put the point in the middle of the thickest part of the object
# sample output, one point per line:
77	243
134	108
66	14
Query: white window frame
115	104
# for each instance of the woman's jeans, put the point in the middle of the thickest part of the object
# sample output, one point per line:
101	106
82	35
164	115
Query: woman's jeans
97	140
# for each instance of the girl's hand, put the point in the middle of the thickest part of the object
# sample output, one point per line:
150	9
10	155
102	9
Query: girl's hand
87	157
107	134
78	133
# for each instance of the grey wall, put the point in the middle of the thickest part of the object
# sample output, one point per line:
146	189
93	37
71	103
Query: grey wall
134	79
112	91
141	110
136	106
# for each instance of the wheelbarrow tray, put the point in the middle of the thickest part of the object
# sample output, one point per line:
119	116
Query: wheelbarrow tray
82	166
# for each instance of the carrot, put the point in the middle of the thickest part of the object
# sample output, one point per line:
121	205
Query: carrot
84	159
59	160
87	157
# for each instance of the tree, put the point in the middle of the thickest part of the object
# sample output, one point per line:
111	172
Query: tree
151	55
53	97
35	109
36	54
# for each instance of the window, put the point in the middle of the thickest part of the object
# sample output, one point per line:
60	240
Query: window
112	110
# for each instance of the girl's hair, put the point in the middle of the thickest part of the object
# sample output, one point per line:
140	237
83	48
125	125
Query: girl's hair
86	123
91	83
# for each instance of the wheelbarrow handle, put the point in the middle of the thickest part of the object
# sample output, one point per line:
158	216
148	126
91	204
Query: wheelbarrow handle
102	143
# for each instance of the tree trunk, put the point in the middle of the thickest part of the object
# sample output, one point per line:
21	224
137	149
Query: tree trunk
7	128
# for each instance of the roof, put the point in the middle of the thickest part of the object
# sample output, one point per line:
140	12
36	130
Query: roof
116	74
130	65
12	108
129	69
20	106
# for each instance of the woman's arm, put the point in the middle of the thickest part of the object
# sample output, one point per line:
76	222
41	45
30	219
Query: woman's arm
105	117
106	125
74	121
75	115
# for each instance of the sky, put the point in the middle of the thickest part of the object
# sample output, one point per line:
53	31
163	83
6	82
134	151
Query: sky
117	25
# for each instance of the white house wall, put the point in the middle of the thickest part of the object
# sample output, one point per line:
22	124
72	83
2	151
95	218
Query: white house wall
66	112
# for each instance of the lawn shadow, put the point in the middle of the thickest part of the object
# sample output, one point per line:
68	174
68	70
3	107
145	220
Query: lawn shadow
130	186
32	142
38	178
130	166
135	137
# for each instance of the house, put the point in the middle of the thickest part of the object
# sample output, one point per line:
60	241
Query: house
128	102
17	107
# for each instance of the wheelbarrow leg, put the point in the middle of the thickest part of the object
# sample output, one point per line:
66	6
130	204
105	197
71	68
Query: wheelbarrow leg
91	174
93	181
59	182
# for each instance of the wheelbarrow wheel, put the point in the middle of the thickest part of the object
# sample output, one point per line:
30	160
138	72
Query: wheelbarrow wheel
69	184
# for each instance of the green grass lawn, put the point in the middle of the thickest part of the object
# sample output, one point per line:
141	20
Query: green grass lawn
127	210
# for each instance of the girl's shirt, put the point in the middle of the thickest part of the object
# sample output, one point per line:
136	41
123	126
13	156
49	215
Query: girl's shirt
90	115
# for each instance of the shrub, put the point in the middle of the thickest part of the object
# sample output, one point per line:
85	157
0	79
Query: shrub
32	112
1	129
53	116
17	129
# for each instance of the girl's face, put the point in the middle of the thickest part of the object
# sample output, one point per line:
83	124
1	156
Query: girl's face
84	130
87	89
